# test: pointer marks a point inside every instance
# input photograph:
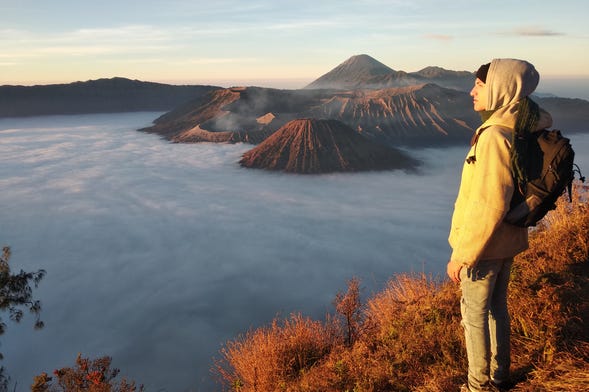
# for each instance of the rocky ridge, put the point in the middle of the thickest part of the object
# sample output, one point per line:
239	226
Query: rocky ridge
421	114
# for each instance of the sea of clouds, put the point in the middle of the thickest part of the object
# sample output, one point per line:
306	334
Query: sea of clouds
157	253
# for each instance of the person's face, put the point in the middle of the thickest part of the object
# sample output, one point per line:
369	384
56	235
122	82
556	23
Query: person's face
479	95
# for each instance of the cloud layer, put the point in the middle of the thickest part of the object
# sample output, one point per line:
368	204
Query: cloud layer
157	253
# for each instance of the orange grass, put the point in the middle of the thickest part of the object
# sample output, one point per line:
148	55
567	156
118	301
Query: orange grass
271	358
408	337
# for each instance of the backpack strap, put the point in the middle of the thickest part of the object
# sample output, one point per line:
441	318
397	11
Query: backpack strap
473	142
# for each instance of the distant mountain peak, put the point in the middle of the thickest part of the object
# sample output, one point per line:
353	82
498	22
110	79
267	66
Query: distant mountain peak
364	72
432	72
366	63
356	69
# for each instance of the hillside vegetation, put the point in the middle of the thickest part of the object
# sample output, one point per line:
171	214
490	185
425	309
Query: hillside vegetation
408	337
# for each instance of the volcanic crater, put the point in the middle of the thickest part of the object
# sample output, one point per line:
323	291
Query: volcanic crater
313	146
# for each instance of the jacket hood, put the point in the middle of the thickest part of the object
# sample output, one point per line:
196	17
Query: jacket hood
508	81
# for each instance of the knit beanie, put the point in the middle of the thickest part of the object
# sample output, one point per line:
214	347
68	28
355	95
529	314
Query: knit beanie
482	75
482	72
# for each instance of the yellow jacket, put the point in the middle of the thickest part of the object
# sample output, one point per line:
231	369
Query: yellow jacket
478	231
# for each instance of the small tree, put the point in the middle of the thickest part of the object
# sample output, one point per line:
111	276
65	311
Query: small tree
16	295
349	306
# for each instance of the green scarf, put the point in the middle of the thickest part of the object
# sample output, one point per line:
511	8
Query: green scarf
486	114
522	141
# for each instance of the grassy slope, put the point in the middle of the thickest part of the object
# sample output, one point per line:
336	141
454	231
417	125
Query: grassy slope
408	337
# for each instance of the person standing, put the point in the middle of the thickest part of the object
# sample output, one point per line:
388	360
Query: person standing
483	245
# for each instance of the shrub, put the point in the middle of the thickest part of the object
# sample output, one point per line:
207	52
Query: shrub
271	358
86	376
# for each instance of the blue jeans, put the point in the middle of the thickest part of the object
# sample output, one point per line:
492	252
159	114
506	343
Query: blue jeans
486	322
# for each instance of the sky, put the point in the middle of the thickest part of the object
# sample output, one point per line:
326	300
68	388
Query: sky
276	43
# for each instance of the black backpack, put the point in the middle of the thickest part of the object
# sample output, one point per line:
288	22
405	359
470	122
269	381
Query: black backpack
551	170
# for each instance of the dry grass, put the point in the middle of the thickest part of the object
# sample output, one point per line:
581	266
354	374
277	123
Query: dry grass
272	358
408	337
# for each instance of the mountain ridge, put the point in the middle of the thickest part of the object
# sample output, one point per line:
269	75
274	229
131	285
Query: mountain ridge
105	95
428	107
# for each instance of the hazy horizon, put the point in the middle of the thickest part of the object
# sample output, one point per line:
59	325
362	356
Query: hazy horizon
158	253
561	86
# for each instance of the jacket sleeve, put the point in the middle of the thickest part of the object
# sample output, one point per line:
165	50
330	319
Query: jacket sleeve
485	199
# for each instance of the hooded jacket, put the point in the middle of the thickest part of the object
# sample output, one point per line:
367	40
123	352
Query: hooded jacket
478	231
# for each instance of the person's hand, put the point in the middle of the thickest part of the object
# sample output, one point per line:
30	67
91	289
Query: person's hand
453	270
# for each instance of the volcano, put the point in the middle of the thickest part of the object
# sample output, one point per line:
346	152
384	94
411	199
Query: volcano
353	72
312	146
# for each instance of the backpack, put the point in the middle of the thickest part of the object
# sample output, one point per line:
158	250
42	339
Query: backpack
551	170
